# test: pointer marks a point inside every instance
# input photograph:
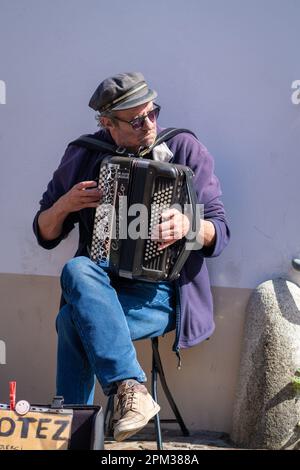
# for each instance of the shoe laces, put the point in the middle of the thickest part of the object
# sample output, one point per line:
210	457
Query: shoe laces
127	398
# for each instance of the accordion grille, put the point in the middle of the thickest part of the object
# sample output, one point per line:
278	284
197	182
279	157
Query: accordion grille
103	223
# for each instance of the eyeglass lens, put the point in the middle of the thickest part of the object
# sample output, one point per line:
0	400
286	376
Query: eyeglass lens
152	115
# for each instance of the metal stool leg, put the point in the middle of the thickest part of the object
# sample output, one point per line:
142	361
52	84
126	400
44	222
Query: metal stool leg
160	371
154	395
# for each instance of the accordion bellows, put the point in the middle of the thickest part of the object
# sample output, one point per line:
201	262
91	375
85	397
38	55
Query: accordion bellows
121	240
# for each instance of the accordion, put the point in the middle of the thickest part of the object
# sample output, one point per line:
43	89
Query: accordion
149	187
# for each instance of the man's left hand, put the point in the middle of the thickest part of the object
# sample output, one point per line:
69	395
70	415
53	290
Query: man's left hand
173	227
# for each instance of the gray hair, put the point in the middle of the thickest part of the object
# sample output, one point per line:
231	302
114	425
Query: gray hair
107	114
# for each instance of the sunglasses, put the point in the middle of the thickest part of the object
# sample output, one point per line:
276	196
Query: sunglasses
138	122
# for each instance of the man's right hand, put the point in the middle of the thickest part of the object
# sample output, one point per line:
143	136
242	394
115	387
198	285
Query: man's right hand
83	195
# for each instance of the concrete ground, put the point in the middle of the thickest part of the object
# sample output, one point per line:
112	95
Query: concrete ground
173	440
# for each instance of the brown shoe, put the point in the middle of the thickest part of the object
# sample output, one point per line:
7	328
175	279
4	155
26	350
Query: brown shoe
136	408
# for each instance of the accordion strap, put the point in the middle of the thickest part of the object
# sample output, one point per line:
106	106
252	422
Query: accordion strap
92	143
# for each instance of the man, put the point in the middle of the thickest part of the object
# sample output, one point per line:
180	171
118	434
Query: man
103	314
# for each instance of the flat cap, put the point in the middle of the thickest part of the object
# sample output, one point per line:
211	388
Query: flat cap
123	91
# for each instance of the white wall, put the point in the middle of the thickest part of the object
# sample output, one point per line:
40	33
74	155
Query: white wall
222	69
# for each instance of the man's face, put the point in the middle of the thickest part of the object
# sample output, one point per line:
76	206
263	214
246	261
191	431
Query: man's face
125	135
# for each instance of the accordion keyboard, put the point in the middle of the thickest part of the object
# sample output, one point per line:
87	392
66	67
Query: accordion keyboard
162	199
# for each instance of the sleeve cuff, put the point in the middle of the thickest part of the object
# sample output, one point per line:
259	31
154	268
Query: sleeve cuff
216	248
68	225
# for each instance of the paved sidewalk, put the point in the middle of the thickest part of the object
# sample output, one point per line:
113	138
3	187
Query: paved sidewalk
172	440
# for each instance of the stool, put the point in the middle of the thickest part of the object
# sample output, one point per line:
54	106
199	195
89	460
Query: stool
157	369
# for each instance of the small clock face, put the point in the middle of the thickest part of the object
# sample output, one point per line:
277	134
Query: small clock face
22	407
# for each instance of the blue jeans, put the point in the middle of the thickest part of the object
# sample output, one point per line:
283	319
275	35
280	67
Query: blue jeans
96	327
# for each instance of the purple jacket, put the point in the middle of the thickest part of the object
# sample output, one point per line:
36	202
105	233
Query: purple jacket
195	320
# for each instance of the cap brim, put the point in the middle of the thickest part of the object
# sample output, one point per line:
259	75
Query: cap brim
136	100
